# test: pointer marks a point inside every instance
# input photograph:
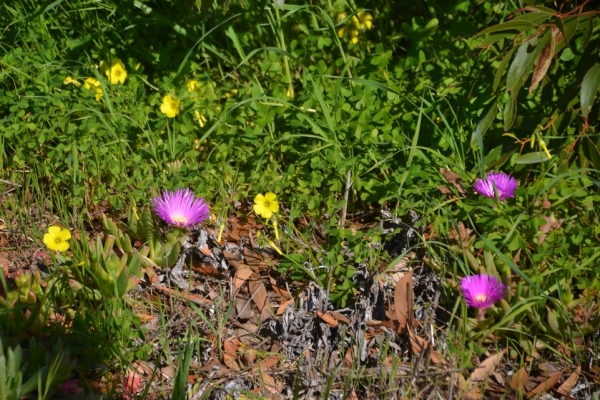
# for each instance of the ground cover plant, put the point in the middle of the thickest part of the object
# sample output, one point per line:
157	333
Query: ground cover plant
324	199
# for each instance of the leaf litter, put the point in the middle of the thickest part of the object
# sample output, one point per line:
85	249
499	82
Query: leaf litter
269	336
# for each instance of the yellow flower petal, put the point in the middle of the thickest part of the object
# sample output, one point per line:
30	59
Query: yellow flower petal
193	85
170	106
341	32
65	234
274	206
266	214
270	196
54	230
259	198
117	72
48	239
259	208
62	246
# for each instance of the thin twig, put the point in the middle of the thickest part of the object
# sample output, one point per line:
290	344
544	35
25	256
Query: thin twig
346	192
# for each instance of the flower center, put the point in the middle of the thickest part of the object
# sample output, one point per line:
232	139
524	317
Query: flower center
117	73
481	298
173	106
267	204
179	219
57	240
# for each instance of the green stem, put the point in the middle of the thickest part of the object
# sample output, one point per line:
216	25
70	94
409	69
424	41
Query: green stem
286	63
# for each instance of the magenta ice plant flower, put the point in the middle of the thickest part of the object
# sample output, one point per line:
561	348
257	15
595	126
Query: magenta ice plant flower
482	291
504	184
180	208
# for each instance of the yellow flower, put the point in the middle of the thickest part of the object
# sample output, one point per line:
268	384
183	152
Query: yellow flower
69	80
358	22
201	118
365	20
193	85
232	93
94	84
266	205
116	73
56	238
170	106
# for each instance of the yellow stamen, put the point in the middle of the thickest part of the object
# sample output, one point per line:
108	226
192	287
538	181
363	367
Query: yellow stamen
481	298
179	219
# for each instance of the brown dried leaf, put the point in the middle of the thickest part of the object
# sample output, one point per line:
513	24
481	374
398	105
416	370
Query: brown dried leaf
352	396
340	317
567	385
403	300
280	291
546	385
551	224
231	346
207	269
271	384
417	343
242	275
518	380
454	179
194	298
480	374
328	318
283	306
244	309
258	293
542	64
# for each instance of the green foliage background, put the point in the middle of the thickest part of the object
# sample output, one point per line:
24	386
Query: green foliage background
292	108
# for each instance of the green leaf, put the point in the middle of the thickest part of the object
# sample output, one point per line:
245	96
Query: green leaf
532	158
501	68
589	87
520	66
510	112
508	26
589	29
592	153
122	283
484	123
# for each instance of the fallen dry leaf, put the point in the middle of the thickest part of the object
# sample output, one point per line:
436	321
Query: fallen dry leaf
242	275
567	385
403	300
546	385
518	380
271	384
259	295
194	298
480	374
328	318
340	317
417	343
454	179
283	306
551	224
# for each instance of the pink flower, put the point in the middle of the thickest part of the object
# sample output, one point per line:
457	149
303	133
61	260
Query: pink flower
482	291
503	183
180	208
